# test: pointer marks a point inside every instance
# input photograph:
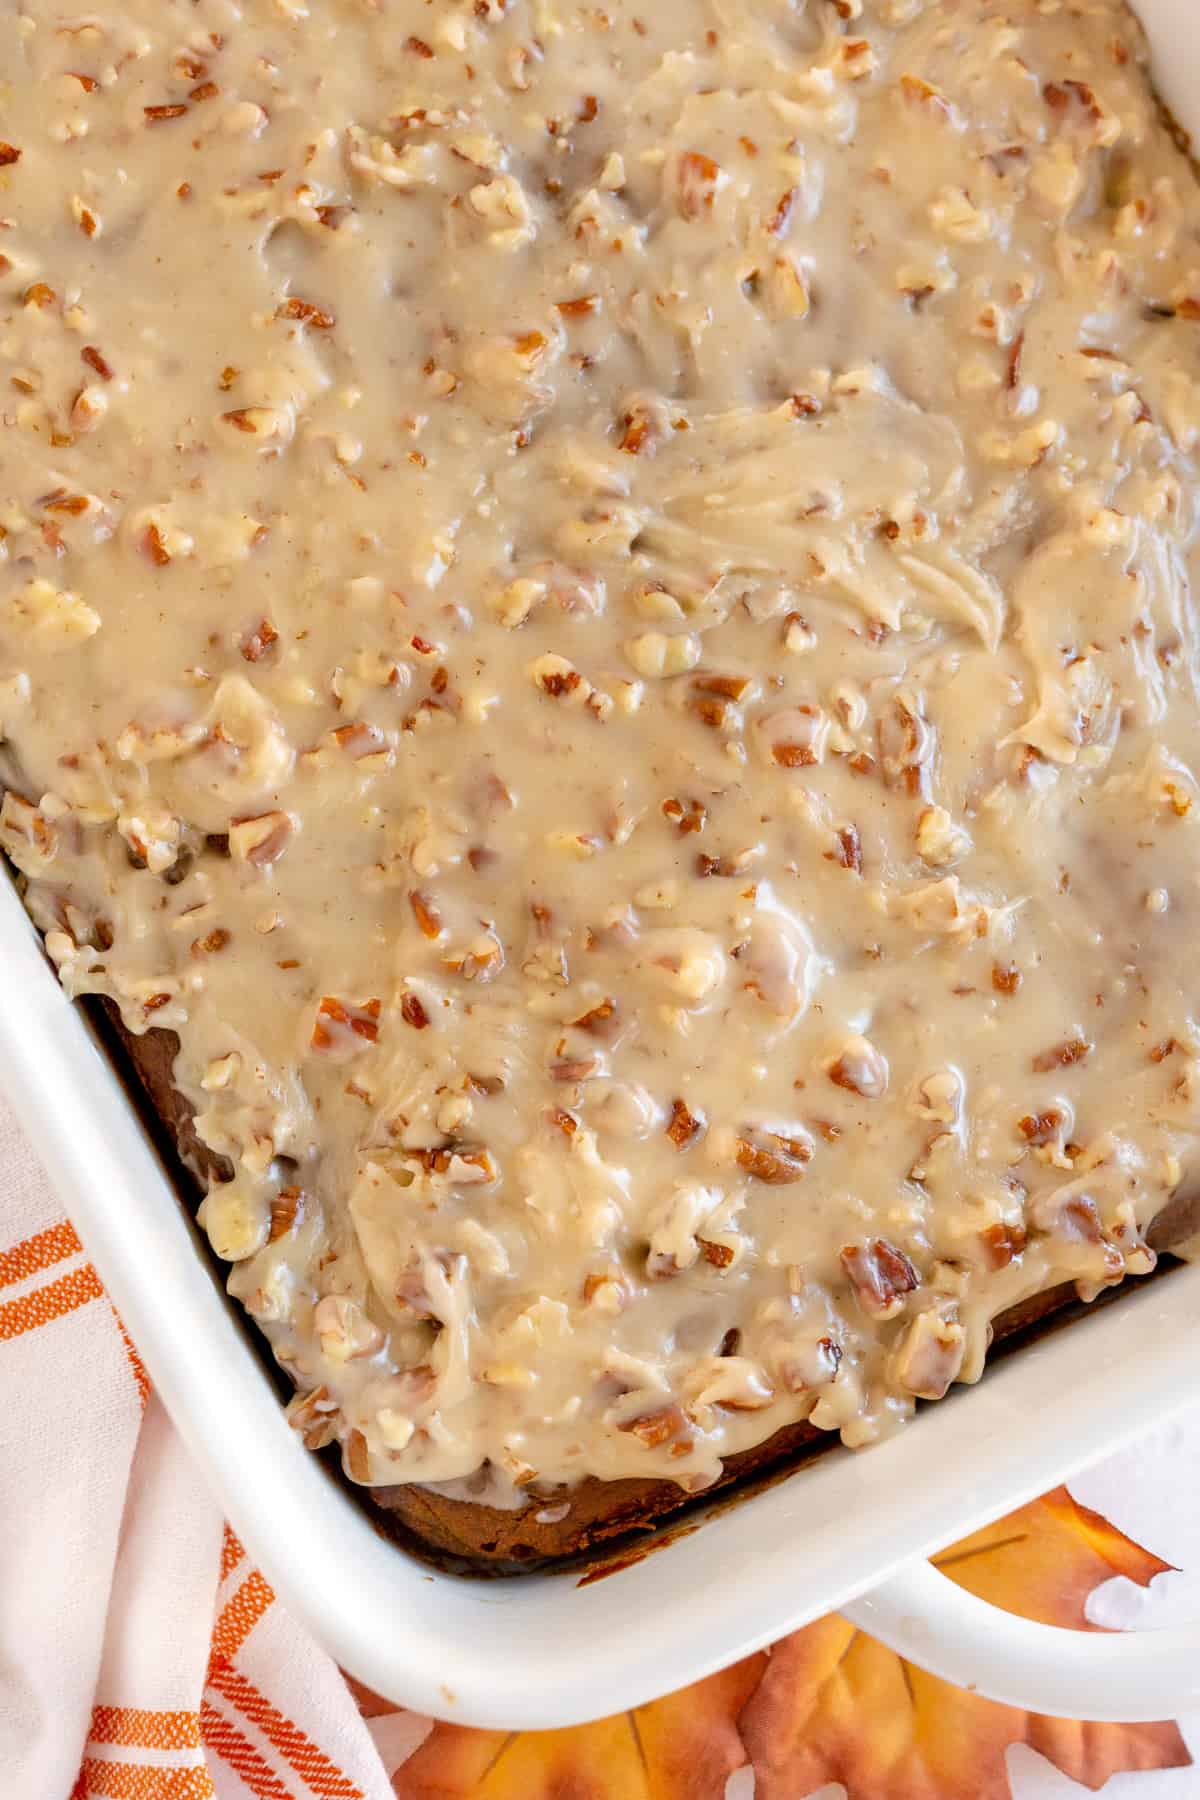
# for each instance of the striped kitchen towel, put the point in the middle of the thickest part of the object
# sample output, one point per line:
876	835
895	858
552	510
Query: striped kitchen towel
142	1656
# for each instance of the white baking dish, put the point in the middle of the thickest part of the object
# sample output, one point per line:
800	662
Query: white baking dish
847	1533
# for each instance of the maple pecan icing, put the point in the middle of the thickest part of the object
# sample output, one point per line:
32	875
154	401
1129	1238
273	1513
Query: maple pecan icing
595	610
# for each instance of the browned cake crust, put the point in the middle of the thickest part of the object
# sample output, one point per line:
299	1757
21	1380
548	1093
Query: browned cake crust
496	1540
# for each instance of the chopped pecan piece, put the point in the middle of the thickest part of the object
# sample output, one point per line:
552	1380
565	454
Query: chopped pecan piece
685	1126
880	1275
287	1209
256	643
849	850
1002	1244
260	840
426	914
1062	1056
1039	1128
860	1068
306	313
697	178
413	1012
338	1024
719	1255
659	1427
314	1415
930	1355
599	1021
686	816
94	360
208	946
777	1160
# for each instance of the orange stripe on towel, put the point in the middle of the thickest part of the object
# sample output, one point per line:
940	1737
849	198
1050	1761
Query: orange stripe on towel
136	1781
231	1553
321	1776
137	1367
227	1742
239	1616
38	1252
49	1302
148	1730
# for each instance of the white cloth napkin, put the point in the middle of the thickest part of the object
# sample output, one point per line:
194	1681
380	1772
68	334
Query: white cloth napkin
144	1658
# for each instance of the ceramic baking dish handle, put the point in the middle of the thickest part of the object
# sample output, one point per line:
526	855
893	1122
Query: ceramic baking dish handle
1120	1675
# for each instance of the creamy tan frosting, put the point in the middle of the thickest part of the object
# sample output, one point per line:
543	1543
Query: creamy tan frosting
596	610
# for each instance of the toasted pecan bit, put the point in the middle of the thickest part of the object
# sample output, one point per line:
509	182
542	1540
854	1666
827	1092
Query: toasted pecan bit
696	180
96	361
780	219
719	1255
1039	1128
286	1208
413	1013
731	1343
1001	1244
426	914
418	47
777	1161
635	432
306	313
686	816
356	1457
154	1002
880	1274
685	1126
1006	978
705	866
730	687
599	1021
215	940
314	1416
573	1068
658	1428
1012	371
791	755
335	1019
153	548
849	850
1160	1052
204	90
256	643
711	711
916	88
255	839
1061	1056
580	308
155	115
8	154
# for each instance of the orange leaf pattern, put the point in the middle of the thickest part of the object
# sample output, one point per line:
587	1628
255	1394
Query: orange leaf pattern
831	1704
682	1748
